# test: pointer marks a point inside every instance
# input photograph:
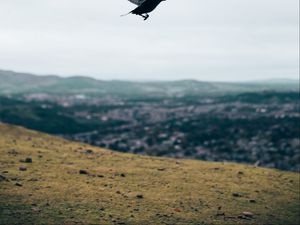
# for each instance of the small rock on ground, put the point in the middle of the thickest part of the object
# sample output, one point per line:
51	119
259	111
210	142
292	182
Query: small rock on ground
22	168
83	172
2	178
248	214
139	196
236	194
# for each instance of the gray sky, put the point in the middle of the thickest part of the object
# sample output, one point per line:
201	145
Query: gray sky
182	39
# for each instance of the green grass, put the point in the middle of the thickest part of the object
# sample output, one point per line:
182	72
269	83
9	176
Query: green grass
173	191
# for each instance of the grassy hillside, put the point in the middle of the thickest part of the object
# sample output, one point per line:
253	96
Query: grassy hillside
47	180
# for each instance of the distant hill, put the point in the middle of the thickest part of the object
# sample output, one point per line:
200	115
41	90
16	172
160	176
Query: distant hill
14	83
48	180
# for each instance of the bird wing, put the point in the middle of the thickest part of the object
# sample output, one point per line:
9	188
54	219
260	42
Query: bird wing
137	2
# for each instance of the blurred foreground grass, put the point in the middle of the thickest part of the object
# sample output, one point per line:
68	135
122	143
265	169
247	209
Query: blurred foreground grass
73	183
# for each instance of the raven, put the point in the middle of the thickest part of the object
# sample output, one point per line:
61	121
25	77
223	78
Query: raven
144	7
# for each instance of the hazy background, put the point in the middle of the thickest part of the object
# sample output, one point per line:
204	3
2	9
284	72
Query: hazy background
205	40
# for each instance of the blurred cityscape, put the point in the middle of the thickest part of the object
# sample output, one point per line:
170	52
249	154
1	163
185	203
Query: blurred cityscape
260	127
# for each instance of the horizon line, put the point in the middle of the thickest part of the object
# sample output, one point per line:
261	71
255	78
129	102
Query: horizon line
151	80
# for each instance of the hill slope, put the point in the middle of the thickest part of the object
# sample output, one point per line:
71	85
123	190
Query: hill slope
73	183
17	83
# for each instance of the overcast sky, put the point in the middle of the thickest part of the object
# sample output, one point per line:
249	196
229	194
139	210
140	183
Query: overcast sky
182	39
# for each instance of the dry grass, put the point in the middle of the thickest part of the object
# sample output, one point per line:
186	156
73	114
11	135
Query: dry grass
134	190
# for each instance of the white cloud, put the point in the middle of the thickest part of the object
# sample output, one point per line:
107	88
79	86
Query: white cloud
207	40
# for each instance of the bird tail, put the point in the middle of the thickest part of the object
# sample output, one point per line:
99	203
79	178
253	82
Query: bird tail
127	13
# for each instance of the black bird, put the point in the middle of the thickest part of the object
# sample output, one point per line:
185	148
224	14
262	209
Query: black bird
144	7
